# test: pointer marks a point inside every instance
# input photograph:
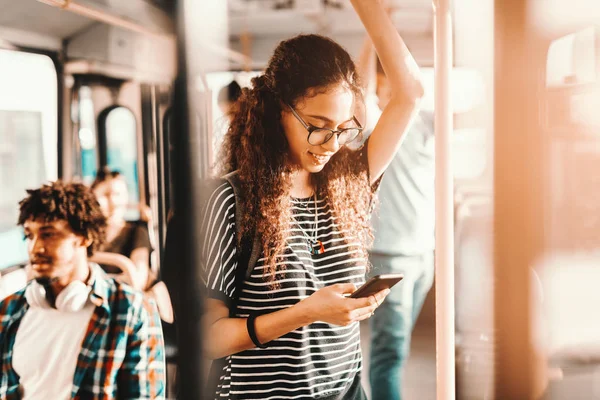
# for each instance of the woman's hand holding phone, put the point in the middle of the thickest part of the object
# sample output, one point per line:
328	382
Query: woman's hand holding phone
331	304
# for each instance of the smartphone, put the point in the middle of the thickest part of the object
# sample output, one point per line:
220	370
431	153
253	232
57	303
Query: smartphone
376	284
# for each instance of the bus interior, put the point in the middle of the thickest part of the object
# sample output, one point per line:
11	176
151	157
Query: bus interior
133	85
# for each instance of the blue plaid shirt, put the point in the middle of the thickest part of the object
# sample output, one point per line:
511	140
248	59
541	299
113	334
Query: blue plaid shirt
122	356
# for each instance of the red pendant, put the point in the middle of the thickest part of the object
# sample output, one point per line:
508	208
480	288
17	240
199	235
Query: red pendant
317	247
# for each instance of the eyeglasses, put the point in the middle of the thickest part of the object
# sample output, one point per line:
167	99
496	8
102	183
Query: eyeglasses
318	136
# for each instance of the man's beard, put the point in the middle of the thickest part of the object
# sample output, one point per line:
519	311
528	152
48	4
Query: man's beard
46	281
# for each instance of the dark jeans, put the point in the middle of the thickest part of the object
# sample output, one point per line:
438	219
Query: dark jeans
392	324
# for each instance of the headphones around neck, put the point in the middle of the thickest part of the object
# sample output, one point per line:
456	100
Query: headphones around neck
71	299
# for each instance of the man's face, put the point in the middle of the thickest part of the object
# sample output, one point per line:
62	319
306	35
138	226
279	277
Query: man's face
113	198
53	248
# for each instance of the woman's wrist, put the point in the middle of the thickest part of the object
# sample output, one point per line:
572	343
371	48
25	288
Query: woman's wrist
305	315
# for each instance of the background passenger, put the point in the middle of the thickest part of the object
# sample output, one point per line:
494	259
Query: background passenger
73	332
125	238
403	226
228	95
292	332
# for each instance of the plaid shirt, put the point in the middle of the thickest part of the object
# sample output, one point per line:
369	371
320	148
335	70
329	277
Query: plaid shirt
122	355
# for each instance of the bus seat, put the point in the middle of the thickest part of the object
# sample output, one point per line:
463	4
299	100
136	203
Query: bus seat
159	292
155	287
124	264
146	219
570	309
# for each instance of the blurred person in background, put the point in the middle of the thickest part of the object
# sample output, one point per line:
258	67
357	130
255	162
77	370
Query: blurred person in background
73	332
127	242
228	95
403	226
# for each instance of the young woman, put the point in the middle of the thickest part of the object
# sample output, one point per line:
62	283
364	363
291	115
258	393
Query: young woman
292	332
128	243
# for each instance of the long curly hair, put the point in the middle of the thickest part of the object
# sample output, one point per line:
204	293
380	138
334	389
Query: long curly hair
256	146
72	202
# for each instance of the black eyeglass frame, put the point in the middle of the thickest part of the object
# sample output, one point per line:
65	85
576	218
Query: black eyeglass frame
311	129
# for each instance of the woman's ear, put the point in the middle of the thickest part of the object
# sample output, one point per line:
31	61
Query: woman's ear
285	109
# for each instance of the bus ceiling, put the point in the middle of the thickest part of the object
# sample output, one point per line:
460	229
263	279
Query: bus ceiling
47	23
114	39
123	40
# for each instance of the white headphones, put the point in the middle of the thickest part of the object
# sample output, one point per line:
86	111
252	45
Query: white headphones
71	299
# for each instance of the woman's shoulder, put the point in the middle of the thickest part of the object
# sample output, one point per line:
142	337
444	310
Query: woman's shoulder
219	190
131	227
218	198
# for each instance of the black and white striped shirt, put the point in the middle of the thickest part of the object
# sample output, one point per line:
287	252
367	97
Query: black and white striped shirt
316	361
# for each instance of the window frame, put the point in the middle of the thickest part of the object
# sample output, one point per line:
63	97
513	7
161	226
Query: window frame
102	139
56	58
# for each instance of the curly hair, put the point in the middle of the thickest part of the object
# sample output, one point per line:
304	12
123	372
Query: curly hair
256	146
105	174
72	202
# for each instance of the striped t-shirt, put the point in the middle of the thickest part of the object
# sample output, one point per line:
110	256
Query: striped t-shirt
321	360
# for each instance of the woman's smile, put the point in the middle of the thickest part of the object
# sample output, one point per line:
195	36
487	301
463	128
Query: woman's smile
319	159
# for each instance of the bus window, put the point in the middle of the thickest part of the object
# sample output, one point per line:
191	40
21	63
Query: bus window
28	140
87	136
121	152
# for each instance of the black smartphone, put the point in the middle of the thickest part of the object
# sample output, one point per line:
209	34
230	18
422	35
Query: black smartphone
376	284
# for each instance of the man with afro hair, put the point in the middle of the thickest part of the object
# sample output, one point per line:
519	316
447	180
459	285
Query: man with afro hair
73	332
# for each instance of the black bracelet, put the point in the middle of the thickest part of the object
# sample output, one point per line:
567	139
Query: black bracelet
252	331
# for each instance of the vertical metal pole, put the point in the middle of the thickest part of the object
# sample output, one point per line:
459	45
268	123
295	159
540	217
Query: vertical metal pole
444	234
67	129
518	196
163	173
188	287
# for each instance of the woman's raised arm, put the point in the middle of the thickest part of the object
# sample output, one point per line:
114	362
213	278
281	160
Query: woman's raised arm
403	75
